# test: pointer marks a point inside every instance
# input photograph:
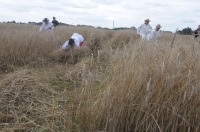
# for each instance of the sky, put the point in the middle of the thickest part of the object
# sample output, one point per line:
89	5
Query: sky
171	14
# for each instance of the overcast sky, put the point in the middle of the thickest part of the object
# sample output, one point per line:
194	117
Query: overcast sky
171	14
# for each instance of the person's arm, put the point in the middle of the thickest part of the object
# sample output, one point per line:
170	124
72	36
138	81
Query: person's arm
50	26
65	48
66	52
150	27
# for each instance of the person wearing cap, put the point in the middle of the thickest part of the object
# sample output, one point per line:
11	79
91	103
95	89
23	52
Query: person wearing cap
46	25
144	29
75	41
154	34
55	22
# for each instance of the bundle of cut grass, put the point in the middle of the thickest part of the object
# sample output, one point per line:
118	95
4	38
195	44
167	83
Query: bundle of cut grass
25	99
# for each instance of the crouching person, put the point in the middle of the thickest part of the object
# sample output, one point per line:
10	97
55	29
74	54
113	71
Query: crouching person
75	41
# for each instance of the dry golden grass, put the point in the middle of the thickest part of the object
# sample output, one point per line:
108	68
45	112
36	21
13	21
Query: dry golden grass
155	91
114	83
25	97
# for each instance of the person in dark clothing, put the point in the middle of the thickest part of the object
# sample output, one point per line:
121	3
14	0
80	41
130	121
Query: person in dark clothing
55	22
196	32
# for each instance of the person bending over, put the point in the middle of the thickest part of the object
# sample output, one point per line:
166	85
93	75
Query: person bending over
75	41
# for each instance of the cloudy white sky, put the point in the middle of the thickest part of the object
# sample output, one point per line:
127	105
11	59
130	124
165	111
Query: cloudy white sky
171	14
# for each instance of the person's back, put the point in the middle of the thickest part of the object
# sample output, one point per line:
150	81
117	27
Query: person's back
78	39
75	41
46	25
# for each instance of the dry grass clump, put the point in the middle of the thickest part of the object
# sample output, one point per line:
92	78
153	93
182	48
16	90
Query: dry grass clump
148	90
87	78
98	39
88	72
25	46
74	55
6	68
121	38
25	101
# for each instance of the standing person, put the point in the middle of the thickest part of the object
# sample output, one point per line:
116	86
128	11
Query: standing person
46	25
76	40
55	22
196	32
154	34
144	29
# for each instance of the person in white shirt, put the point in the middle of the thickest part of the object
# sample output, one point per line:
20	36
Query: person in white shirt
76	40
144	29
155	34
46	25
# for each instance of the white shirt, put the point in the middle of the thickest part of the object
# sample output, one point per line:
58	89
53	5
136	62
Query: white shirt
154	35
144	29
46	26
78	39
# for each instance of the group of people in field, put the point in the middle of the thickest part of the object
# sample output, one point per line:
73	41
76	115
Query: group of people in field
145	31
76	40
47	25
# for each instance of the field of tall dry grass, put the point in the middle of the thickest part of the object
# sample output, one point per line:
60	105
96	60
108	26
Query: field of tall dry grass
115	83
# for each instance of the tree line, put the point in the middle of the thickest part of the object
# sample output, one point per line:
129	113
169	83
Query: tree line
185	31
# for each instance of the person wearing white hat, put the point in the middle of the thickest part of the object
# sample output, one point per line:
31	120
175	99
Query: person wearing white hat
46	25
154	34
144	29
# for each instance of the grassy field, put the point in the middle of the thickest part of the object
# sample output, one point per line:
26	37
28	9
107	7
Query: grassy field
114	83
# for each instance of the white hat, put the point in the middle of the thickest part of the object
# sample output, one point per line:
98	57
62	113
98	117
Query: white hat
158	26
147	20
